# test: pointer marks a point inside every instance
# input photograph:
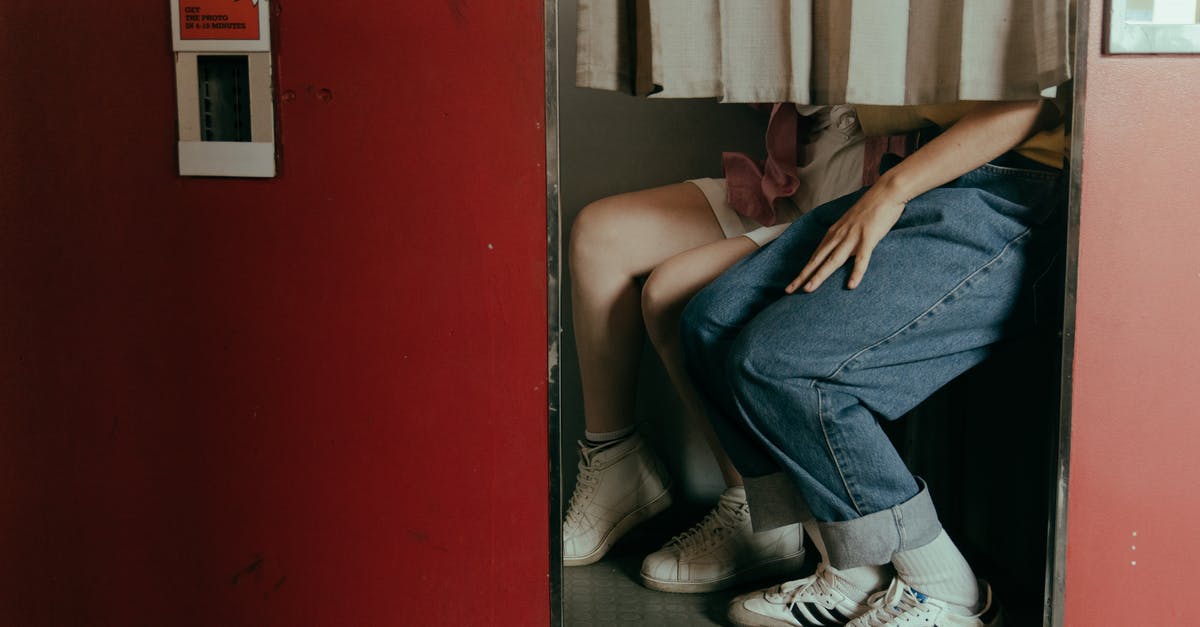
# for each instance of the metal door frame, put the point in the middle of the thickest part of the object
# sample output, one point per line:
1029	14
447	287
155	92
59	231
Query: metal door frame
553	312
1056	553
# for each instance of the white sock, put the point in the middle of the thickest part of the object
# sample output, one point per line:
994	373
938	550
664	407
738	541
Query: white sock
856	583
735	492
596	438
939	570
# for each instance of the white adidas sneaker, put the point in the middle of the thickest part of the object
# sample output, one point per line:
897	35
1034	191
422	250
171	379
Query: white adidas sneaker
902	605
722	550
814	601
619	485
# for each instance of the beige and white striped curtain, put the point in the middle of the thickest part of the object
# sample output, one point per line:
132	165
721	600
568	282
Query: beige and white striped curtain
884	52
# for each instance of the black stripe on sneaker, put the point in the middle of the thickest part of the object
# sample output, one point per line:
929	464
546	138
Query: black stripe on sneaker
839	616
821	615
799	615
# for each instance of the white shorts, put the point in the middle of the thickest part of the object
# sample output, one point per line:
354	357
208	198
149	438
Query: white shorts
833	168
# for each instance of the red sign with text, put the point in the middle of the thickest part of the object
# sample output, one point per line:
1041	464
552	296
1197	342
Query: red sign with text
218	19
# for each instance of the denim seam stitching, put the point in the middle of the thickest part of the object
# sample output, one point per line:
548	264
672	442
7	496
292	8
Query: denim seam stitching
1033	286
930	310
832	454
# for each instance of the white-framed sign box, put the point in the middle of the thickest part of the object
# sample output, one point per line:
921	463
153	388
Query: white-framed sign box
224	83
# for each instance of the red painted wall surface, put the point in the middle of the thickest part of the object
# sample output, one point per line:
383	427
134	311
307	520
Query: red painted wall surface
1135	455
316	400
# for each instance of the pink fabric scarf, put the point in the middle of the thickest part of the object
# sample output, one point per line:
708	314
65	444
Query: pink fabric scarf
755	188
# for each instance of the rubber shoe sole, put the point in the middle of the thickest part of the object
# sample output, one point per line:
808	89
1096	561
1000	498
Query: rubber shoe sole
631	520
778	568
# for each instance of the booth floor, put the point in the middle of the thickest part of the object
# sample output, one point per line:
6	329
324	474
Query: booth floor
610	592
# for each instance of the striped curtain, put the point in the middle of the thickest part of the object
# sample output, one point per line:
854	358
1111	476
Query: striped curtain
884	52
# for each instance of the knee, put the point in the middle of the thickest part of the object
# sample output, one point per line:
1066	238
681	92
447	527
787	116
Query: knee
699	328
664	295
754	365
595	235
658	307
772	378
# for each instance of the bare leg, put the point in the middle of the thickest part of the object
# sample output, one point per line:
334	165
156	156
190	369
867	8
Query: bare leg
667	291
614	241
722	549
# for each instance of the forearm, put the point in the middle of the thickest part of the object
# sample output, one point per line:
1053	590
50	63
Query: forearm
985	133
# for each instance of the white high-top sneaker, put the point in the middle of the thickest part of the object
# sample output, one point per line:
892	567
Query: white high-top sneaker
619	485
722	550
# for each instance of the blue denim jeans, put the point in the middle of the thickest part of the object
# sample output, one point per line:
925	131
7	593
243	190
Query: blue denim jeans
796	384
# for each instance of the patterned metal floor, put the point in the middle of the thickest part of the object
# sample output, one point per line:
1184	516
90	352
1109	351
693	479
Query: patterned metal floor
609	592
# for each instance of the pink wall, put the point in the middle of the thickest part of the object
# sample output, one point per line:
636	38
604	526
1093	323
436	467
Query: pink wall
316	400
1135	463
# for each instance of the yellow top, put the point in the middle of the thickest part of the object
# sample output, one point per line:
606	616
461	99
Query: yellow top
1048	147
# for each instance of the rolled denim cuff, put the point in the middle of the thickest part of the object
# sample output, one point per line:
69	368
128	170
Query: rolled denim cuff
774	502
873	539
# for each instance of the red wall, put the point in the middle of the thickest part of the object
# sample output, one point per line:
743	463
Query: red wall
316	400
1135	455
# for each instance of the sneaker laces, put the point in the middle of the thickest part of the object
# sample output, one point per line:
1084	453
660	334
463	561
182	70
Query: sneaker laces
585	485
818	585
890	604
711	529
